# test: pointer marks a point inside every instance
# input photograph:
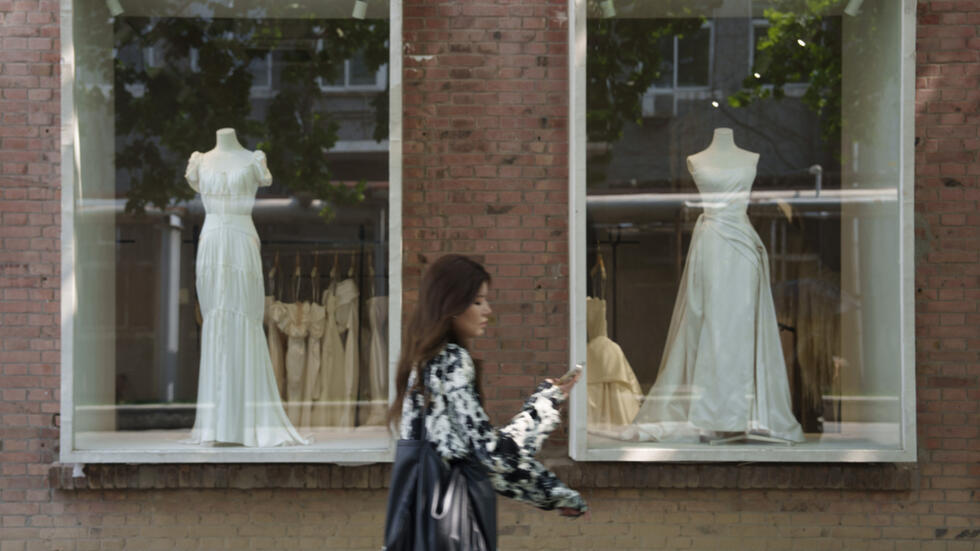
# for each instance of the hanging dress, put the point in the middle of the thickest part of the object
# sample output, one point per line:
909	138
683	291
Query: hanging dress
294	322
377	311
332	401
614	392
238	399
311	374
274	338
722	369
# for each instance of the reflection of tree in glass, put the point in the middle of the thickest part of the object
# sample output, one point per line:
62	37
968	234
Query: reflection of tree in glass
300	130
177	80
802	45
623	61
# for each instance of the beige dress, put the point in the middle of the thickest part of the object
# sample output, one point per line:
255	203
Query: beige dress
377	313
293	321
614	391
335	403
275	347
311	375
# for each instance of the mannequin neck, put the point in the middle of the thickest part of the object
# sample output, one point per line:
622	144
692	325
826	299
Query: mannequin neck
723	140
227	141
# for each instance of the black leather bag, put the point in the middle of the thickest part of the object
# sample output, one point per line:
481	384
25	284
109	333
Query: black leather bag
437	507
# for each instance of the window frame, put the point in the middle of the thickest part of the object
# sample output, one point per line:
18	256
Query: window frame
347	454
578	276
675	91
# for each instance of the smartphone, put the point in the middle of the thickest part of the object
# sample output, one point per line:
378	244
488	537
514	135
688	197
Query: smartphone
572	373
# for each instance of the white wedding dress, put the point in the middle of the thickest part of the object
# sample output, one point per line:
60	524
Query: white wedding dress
238	399
722	369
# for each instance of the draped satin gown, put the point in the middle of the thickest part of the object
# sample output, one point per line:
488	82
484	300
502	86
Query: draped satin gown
722	369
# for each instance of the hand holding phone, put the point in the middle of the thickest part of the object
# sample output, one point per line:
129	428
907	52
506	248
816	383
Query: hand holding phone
573	372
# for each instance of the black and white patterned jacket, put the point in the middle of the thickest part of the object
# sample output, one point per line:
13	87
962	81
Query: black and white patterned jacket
457	424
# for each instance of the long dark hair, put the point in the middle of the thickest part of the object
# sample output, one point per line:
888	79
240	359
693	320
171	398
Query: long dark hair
448	288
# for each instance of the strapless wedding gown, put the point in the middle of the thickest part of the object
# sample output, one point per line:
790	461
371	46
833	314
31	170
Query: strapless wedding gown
722	369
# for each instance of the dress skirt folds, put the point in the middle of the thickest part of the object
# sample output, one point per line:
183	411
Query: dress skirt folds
722	370
238	397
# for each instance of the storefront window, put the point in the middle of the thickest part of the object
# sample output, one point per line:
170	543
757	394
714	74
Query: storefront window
229	222
741	256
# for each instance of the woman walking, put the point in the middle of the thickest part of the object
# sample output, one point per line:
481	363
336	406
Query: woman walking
436	369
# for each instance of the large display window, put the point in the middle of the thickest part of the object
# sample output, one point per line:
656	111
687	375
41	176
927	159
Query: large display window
741	231
231	219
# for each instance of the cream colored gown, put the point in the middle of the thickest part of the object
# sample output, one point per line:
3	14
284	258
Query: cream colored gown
614	391
377	310
294	321
275	346
238	400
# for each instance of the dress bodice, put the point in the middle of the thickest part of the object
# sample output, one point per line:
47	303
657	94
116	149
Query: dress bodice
595	317
225	191
724	190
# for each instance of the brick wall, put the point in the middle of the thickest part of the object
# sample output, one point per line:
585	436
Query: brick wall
485	171
485	174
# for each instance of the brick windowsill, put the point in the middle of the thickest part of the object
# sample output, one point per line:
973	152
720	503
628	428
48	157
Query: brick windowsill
790	476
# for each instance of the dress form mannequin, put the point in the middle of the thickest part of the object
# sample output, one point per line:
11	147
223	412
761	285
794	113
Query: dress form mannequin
722	152
722	376
227	153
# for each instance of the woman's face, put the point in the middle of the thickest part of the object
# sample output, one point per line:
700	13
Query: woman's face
473	321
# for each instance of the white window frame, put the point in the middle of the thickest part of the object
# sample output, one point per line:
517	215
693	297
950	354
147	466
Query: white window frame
70	153
265	90
578	277
379	78
681	92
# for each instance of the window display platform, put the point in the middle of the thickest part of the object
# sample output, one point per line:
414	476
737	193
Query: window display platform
170	446
838	442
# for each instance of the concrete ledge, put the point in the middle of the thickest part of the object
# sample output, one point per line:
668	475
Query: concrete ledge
112	476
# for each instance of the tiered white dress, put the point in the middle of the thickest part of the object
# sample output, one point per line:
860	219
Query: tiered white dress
238	400
722	369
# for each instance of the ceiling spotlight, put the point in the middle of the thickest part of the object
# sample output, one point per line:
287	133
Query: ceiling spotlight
756	75
715	104
608	8
115	8
801	42
853	8
360	9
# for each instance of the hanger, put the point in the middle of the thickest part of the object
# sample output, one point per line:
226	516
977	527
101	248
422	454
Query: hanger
350	271
272	277
296	279
599	269
315	276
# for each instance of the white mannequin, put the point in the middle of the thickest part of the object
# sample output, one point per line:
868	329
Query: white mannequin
722	153
227	154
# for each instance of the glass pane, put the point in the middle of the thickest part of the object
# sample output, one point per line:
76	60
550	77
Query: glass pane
259	66
232	245
693	58
743	254
361	74
664	77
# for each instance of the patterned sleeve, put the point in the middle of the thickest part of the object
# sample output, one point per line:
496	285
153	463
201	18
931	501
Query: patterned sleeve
508	452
